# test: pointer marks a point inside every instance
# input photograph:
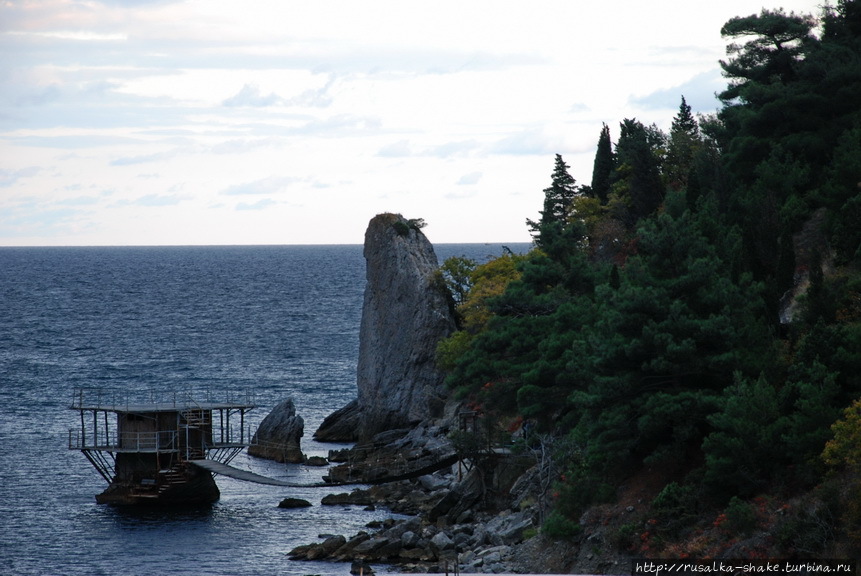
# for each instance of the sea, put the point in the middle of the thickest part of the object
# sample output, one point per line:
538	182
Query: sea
276	322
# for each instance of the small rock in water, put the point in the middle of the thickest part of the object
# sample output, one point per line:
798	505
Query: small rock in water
356	497
294	503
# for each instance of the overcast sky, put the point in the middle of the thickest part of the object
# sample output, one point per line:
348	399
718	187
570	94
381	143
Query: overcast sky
135	122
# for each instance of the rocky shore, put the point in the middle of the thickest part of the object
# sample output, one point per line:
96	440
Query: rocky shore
480	514
450	522
461	500
446	528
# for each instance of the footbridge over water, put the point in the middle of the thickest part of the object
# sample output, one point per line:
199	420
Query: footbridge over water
226	470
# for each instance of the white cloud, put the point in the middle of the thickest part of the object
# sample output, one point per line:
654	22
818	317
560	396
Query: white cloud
460	195
699	93
532	141
259	205
242	145
82	35
10	177
469	179
314	97
271	185
343	108
157	200
458	148
397	149
80	201
250	95
145	158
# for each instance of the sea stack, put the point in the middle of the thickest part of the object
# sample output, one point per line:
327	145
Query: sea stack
278	436
405	314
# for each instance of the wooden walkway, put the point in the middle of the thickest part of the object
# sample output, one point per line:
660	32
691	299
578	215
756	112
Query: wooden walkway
225	470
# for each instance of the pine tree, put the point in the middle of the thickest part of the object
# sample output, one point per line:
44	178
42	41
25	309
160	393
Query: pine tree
558	200
684	142
684	121
772	56
843	22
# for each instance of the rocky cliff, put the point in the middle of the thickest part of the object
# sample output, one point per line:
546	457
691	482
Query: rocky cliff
405	313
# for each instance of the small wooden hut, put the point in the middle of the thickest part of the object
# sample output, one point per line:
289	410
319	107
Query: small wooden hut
159	452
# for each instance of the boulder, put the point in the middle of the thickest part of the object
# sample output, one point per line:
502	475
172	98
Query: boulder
294	503
318	461
416	554
432	483
357	497
341	425
509	527
301	552
370	546
441	541
342	455
409	539
462	498
326	548
347	551
278	436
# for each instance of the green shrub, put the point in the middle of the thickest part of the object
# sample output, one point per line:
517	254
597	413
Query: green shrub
740	516
401	227
675	507
625	537
812	526
673	499
559	527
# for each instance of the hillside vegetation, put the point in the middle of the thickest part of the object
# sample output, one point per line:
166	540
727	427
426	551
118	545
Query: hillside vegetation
696	309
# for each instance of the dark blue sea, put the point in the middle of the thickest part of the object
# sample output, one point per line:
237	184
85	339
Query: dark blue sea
278	321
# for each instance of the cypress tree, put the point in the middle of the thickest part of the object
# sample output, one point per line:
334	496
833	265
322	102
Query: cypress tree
637	173
603	167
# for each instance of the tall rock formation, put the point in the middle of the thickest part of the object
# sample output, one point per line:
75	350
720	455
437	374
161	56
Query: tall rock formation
405	314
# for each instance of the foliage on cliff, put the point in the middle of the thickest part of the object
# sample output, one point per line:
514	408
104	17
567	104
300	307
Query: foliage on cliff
698	306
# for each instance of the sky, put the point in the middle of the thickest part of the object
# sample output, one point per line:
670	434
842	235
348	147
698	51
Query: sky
208	122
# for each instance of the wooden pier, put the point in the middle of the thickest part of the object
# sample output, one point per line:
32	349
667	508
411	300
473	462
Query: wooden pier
146	450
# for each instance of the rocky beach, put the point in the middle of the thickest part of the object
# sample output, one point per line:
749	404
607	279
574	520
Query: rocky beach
479	515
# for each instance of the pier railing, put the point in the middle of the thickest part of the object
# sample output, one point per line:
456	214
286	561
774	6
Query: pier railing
87	398
161	441
109	440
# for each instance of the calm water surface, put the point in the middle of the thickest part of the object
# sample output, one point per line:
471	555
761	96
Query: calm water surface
281	321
